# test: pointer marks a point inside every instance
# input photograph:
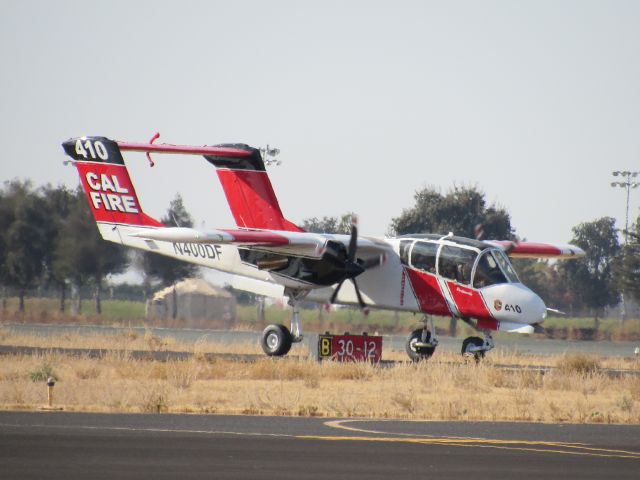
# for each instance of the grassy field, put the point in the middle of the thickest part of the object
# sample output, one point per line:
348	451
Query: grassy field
446	387
46	310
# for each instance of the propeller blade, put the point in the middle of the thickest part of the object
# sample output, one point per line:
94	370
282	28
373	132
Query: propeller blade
363	306
374	261
514	244
479	231
353	242
335	292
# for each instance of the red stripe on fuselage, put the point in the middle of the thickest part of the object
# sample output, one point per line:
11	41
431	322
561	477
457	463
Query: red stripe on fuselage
428	292
252	200
487	324
469	301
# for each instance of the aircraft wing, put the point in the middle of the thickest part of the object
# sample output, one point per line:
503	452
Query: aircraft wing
278	241
537	250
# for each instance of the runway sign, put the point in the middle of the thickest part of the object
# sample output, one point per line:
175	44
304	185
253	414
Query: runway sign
350	348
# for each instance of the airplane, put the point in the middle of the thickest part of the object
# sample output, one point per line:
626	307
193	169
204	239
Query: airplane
429	274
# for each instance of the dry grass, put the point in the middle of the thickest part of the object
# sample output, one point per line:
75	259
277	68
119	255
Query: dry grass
126	340
445	388
441	389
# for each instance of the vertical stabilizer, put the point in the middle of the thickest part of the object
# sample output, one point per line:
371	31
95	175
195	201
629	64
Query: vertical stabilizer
106	182
249	191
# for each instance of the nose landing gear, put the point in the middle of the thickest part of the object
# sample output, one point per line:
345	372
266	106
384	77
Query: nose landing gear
476	347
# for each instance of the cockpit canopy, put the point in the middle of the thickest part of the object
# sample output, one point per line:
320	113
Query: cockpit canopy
467	265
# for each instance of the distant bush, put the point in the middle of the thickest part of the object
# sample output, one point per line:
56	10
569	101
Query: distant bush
579	363
42	373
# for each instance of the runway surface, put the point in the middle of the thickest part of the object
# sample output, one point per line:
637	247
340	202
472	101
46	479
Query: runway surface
506	342
57	445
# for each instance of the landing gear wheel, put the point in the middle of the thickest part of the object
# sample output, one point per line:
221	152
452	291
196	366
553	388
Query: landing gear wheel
475	342
276	340
418	353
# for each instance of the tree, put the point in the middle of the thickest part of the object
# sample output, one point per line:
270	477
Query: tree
461	211
168	271
591	279
82	255
24	242
110	259
544	279
56	201
627	269
337	225
73	251
6	217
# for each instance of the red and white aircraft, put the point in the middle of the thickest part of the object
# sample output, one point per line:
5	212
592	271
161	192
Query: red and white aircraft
423	273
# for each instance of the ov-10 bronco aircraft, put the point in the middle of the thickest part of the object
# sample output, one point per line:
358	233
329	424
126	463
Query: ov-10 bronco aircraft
430	274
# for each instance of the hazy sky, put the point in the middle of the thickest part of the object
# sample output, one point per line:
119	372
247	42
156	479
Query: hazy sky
534	102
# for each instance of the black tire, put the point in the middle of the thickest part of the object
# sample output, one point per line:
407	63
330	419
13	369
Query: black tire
276	340
473	341
418	353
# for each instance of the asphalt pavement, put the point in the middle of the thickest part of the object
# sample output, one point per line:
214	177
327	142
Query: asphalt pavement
61	445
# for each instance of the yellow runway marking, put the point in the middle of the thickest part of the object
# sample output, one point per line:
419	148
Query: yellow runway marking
563	448
560	448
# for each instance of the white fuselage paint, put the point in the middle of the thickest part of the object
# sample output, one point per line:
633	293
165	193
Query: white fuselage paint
383	287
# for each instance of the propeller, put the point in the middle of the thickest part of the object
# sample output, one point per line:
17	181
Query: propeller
479	233
352	267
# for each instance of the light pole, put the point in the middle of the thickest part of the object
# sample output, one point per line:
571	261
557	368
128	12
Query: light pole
628	183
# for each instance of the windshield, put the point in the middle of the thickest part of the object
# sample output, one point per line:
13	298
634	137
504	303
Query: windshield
493	268
456	263
506	266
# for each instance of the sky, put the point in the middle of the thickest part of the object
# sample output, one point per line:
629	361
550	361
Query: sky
533	102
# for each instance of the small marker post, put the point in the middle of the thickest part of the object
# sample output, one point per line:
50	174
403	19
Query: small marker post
50	384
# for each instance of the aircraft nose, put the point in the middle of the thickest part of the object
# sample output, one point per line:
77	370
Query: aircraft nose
515	303
538	308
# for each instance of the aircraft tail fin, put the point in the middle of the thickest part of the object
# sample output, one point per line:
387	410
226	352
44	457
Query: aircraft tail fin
248	190
106	182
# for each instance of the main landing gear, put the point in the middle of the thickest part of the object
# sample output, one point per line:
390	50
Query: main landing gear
422	342
277	339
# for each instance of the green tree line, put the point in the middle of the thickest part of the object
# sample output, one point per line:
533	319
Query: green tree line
49	239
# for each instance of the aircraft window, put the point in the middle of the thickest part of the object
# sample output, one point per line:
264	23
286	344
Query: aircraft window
506	266
456	263
488	272
423	256
404	251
